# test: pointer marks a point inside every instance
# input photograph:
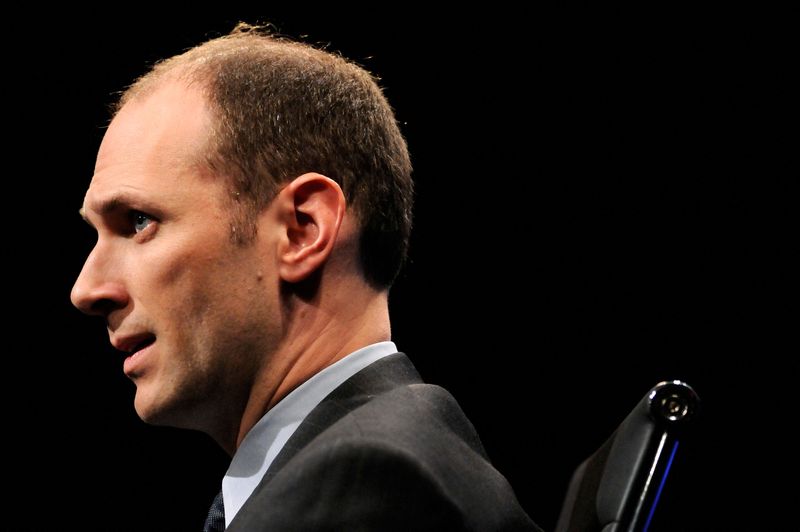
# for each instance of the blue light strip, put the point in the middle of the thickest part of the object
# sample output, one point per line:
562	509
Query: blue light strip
660	487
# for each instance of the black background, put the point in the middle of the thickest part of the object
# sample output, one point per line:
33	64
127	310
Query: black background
602	203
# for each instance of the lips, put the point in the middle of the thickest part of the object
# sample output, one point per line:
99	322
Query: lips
133	343
138	345
144	343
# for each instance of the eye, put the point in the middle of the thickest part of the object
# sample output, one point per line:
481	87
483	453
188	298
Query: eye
140	221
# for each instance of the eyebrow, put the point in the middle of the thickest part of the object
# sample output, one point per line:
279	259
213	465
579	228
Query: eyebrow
111	204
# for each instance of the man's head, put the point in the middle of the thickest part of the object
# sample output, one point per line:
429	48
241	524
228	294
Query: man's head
252	197
281	109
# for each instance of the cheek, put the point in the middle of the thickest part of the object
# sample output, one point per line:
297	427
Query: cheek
176	282
183	257
198	289
205	288
191	290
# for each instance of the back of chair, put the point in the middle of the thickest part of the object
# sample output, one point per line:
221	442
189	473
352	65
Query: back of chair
618	487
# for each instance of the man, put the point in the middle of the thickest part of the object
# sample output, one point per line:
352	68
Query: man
252	199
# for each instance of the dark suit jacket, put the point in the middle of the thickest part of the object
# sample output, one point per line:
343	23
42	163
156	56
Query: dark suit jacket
383	452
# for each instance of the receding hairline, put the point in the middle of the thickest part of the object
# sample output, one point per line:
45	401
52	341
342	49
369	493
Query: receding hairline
153	81
196	66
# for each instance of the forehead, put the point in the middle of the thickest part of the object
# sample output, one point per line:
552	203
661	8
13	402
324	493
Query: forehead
155	140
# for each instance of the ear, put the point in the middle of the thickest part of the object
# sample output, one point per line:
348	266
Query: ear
311	209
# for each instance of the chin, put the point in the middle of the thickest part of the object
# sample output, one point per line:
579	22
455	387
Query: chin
147	412
157	407
151	407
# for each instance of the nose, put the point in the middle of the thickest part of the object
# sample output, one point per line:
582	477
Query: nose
97	291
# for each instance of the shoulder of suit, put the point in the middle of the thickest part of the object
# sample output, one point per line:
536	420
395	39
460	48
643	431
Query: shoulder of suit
419	420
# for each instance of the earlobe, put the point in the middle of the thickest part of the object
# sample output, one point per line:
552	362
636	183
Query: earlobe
313	207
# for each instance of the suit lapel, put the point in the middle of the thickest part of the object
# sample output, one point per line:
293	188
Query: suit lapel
377	378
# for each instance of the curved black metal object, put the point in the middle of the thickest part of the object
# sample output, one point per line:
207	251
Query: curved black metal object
618	487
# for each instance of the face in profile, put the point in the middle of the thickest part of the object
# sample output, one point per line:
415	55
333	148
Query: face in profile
189	307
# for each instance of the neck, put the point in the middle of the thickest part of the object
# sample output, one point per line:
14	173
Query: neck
316	338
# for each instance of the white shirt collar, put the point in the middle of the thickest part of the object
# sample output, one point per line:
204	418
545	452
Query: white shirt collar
267	437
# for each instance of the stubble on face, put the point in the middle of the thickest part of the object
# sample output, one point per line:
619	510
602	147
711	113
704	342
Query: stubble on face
204	298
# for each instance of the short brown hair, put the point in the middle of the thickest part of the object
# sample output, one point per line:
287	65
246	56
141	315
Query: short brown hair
284	108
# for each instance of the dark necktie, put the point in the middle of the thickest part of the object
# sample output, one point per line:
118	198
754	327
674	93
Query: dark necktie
215	522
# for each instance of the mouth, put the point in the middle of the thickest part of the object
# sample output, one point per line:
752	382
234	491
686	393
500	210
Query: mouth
137	347
135	343
143	344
